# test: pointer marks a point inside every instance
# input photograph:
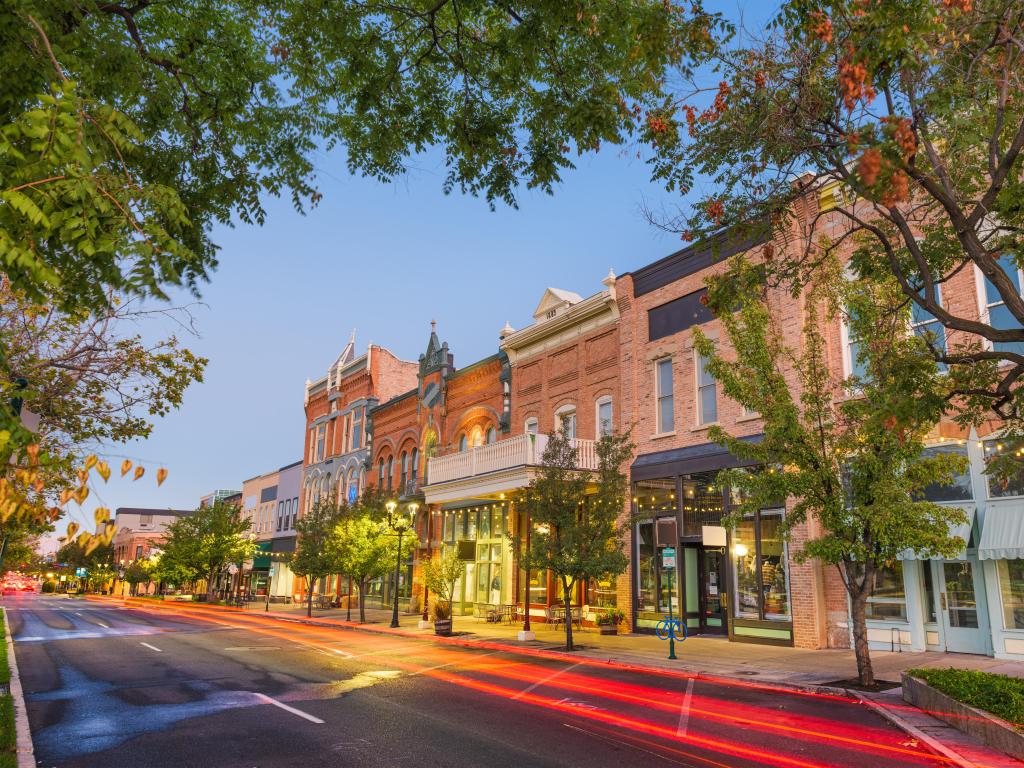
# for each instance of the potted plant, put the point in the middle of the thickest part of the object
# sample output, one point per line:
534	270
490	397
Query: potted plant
440	576
608	622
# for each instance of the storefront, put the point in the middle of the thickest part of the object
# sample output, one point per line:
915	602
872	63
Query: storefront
723	582
478	532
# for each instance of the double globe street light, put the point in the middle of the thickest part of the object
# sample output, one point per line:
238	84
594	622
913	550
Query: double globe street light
399	524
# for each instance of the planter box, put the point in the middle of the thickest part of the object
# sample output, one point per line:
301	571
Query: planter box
443	628
607	629
995	732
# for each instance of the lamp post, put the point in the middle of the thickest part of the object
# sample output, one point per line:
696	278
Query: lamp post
399	524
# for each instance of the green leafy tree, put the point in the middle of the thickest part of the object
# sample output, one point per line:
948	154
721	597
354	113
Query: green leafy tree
138	572
440	576
365	547
903	118
849	453
203	543
315	557
577	536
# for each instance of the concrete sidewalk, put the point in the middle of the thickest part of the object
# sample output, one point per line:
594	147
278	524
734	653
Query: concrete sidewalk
703	655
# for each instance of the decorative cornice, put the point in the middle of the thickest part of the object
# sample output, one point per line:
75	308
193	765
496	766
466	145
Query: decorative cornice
589	308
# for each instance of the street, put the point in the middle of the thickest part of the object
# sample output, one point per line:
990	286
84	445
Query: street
107	685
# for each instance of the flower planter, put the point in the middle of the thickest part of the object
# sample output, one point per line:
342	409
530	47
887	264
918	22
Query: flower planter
443	628
607	629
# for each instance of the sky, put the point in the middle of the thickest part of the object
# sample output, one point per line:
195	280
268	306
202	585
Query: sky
383	260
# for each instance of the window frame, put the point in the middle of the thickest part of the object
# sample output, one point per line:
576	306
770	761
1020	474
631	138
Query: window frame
661	397
531	421
565	412
598	422
986	306
699	367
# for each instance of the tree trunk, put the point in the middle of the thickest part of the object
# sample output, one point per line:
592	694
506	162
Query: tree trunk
567	599
362	602
309	597
211	584
858	614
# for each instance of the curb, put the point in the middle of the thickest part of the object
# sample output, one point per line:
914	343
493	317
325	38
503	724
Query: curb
23	735
931	742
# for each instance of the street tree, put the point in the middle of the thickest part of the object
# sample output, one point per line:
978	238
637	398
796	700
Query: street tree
849	453
365	547
138	572
315	557
577	536
902	119
205	542
441	576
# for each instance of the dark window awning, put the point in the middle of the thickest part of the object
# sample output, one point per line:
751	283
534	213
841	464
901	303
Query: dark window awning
684	461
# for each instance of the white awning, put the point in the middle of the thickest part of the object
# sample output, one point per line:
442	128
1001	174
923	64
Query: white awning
963	531
1002	537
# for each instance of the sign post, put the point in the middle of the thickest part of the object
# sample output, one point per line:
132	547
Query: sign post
669	626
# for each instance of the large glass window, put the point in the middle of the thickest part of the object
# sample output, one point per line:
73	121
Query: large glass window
999	316
929	592
646	575
703	502
707	397
666	405
888	600
1011	587
960	488
655	497
1002	486
601	593
760	568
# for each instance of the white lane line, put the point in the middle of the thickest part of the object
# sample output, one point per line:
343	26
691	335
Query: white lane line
286	708
151	647
105	626
78	613
543	680
684	710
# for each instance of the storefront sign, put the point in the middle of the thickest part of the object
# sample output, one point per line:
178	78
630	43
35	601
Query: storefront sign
668	557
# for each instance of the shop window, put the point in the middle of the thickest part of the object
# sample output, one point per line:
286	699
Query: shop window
604	417
664	394
960	488
929	592
888	600
538	587
601	593
707	395
703	502
1011	588
654	497
999	315
760	568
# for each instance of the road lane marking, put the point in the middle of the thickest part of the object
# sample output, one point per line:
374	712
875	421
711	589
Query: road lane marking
151	647
684	710
286	708
543	680
105	626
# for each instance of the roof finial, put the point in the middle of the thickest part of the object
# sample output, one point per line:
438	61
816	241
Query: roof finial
433	326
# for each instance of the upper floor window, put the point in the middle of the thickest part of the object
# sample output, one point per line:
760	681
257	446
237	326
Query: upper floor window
531	427
145	520
391	471
415	463
707	395
999	487
405	466
666	402
999	315
960	488
491	436
280	514
926	325
476	437
321	432
565	418
855	365
380	474
604	417
357	429
463	443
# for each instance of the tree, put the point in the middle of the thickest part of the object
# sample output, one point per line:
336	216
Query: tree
138	572
849	453
440	577
314	556
903	117
204	542
577	536
365	548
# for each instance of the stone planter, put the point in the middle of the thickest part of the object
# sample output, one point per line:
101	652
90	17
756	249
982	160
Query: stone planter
995	732
443	628
607	629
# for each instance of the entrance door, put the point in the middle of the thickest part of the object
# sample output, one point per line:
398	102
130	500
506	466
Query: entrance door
964	619
713	588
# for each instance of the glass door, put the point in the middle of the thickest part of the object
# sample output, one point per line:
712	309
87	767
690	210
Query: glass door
963	618
713	589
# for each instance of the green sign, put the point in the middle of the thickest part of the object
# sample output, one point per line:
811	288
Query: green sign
668	557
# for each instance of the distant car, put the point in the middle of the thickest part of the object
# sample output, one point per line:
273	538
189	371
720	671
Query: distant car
28	588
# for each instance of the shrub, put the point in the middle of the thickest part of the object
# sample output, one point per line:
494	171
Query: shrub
49	586
1001	695
611	618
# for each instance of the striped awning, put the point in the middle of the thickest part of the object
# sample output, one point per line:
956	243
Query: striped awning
962	531
1002	537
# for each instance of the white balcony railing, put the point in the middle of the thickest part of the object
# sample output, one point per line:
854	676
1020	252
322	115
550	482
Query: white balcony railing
519	451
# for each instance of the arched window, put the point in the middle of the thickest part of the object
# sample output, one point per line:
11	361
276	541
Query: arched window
391	471
531	426
565	420
463	443
491	435
405	468
476	437
352	492
380	474
604	416
415	464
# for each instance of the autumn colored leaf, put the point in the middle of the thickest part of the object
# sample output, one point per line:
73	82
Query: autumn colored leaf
103	469
90	462
126	465
72	529
139	472
161	475
101	515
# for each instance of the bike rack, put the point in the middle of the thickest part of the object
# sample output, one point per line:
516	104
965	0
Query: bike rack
897	639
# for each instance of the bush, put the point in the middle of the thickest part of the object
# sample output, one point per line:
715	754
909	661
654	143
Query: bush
1001	695
49	586
611	618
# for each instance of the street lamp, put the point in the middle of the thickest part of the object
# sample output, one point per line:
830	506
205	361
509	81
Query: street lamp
399	524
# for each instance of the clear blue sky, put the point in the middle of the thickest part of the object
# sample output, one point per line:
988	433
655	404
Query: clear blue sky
385	260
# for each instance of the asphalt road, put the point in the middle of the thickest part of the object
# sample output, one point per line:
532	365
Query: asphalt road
114	687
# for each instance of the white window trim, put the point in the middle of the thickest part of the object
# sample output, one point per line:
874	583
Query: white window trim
984	308
603	400
698	401
658	397
531	421
560	414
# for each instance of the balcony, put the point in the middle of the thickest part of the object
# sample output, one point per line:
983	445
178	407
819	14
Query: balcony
521	451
